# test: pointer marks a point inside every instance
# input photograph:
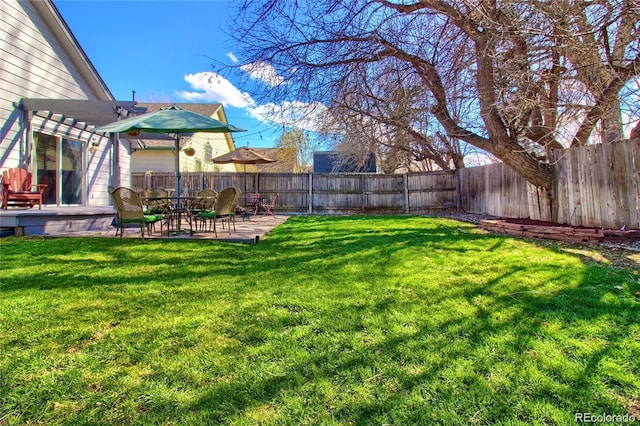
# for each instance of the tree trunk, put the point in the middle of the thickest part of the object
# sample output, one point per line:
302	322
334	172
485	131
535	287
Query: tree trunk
535	172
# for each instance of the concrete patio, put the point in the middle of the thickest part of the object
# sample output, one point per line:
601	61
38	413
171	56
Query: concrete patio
249	231
99	222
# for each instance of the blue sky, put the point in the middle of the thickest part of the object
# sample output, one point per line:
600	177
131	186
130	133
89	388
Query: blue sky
167	51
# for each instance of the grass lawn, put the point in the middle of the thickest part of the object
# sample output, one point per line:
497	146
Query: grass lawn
329	320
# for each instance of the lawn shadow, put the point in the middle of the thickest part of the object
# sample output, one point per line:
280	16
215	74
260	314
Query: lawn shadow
523	317
503	349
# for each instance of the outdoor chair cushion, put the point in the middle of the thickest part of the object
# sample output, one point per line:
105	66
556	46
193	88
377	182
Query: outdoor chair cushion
148	218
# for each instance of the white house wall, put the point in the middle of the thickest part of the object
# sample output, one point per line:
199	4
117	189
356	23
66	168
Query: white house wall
124	169
164	161
35	65
154	160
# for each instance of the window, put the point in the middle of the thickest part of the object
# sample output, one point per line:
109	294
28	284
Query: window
208	153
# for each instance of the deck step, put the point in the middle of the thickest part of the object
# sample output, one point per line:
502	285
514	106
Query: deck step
55	221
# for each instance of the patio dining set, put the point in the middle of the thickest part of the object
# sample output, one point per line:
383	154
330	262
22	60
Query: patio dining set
187	213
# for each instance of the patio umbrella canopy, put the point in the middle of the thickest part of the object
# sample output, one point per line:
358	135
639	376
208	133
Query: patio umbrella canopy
244	155
173	120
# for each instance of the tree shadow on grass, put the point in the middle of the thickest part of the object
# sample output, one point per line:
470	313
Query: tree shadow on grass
510	324
381	347
75	262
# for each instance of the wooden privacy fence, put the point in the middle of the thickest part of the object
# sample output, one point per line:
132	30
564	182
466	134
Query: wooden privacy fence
596	185
331	193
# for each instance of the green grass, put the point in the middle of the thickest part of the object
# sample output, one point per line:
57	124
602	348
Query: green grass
329	320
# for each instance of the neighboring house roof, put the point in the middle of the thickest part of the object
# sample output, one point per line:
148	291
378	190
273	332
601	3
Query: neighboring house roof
203	109
337	162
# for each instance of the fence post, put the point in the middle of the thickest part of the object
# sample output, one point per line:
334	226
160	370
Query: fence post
405	183
147	180
458	192
365	195
310	193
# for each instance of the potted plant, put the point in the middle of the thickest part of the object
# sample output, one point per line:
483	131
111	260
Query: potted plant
189	150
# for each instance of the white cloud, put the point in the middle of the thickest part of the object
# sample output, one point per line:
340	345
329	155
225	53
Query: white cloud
263	72
212	87
232	57
292	113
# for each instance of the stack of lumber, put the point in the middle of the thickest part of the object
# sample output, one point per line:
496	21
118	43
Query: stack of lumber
557	231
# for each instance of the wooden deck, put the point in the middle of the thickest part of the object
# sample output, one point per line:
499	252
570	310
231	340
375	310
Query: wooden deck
55	220
99	222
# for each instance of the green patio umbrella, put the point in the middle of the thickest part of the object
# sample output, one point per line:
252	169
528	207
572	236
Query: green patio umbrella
173	120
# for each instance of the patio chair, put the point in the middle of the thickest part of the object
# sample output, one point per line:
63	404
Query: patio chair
234	207
157	200
17	189
268	207
202	207
252	203
128	204
224	208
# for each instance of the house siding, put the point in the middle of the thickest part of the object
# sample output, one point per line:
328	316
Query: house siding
154	160
36	64
164	161
124	169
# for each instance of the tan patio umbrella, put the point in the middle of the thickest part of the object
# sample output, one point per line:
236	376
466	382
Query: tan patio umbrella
244	156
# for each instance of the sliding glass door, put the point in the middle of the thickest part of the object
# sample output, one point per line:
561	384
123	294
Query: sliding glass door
47	155
71	177
59	166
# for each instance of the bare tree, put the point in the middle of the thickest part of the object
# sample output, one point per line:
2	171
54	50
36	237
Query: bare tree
300	145
389	108
513	78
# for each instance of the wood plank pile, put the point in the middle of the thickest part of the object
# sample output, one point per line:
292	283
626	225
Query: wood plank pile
567	233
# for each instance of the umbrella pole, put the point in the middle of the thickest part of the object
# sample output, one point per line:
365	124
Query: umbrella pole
178	176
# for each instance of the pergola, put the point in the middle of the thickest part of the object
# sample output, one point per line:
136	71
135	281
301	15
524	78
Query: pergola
78	113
